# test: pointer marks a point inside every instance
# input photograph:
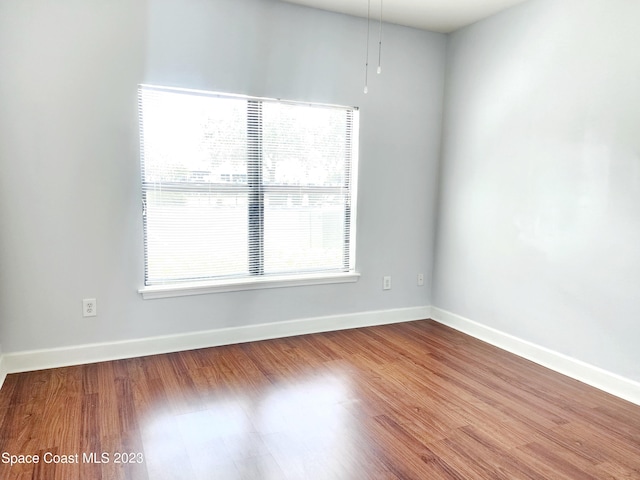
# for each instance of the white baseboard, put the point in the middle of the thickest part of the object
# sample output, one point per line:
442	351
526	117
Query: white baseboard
99	352
3	371
596	377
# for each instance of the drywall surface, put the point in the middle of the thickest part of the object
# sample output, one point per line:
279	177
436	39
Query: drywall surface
539	211
70	199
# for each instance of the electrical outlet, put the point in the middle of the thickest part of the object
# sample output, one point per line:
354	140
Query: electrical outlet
420	279
386	283
89	307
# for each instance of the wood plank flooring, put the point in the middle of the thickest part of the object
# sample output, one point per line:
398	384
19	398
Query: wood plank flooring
406	401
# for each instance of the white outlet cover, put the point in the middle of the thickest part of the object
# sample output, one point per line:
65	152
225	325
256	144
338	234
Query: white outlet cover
89	307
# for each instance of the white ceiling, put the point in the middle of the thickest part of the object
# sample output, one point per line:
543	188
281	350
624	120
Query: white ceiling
436	15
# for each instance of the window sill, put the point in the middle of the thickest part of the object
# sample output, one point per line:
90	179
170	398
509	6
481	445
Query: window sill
201	288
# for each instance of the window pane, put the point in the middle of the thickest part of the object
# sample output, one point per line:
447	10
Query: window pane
195	235
194	138
304	232
304	145
238	187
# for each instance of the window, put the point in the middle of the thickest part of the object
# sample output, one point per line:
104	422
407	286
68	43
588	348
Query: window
243	191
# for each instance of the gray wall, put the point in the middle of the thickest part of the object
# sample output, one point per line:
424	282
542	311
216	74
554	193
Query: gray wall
539	220
70	211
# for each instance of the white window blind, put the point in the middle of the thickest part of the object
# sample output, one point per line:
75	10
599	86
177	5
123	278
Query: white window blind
238	187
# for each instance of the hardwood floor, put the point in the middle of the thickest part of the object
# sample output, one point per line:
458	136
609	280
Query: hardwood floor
406	401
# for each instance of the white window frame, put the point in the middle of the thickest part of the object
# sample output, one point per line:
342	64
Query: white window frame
256	280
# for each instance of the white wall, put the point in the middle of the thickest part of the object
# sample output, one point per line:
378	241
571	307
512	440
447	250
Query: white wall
539	217
69	185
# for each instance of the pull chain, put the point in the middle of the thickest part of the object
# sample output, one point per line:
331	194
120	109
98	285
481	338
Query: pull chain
380	43
366	64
